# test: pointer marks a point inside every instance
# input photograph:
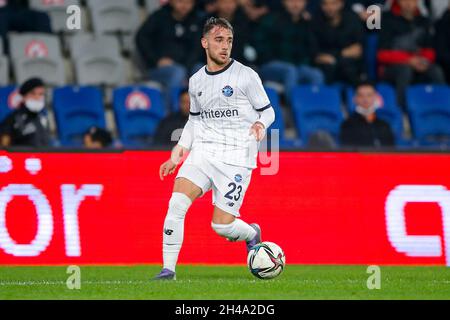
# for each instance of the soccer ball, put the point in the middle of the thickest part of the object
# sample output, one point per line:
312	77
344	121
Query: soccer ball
266	260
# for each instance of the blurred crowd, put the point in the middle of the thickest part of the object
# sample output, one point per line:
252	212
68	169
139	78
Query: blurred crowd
300	41
286	41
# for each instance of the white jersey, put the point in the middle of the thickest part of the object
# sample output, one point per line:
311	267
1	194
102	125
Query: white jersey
224	105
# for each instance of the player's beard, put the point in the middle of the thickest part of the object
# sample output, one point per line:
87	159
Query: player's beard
217	61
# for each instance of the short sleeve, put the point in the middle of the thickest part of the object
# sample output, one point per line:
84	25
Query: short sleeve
255	91
194	107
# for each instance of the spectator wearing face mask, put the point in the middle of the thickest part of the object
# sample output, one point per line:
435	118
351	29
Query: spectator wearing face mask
363	128
27	126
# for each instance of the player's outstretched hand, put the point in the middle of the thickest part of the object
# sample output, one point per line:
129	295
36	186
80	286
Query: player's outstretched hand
178	155
258	130
167	168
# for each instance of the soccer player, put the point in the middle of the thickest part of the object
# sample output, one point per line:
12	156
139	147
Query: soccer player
229	114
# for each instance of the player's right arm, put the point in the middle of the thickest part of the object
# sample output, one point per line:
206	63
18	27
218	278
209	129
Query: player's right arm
186	140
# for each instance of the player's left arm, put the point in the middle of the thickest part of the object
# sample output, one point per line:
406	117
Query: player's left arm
258	98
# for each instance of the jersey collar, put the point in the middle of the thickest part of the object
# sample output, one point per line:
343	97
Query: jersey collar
220	71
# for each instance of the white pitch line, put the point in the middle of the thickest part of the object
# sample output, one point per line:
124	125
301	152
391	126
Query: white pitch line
58	283
128	282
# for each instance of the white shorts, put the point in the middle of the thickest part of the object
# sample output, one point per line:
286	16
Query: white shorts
228	183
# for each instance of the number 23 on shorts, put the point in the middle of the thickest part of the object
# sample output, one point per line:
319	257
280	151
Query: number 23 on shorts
234	193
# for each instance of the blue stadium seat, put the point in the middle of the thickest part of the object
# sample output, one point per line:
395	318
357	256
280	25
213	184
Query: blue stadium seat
390	112
138	111
429	111
76	110
7	101
317	108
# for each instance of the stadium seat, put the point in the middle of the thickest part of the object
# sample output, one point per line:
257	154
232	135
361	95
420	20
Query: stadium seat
316	108
390	111
33	45
50	70
57	12
114	16
138	111
9	100
36	54
82	43
76	110
429	111
97	60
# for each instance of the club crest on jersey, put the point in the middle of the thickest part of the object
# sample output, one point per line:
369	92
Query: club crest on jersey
227	91
238	178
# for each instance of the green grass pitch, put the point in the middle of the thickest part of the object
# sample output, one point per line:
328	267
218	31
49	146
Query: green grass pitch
225	282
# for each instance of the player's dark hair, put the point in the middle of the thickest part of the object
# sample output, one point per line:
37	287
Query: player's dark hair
217	22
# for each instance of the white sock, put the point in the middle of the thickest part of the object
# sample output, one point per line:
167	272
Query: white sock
235	231
174	229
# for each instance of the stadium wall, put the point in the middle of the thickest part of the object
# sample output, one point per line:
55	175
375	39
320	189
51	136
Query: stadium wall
321	208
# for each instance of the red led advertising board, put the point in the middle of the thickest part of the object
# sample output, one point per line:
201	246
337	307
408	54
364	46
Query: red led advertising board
321	208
